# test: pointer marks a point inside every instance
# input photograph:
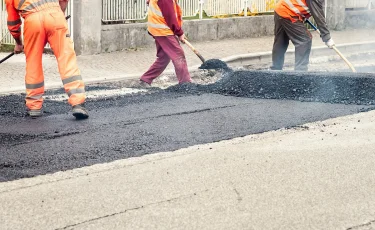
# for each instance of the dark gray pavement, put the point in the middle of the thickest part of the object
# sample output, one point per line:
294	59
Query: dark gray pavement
134	125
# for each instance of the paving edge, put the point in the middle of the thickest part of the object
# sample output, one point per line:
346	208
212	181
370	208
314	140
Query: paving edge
240	59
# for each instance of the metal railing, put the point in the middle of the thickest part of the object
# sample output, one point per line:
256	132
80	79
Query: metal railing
7	37
223	7
123	10
135	10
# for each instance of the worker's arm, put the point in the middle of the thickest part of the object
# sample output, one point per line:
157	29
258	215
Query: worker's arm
169	14
317	11
14	25
63	5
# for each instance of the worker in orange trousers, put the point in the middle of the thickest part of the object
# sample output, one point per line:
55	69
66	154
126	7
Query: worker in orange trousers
44	21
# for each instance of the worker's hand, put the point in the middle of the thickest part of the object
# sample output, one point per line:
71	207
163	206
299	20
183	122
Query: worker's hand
330	43
18	49
182	38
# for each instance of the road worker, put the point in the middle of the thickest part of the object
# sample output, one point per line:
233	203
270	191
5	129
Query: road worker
289	25
44	21
164	24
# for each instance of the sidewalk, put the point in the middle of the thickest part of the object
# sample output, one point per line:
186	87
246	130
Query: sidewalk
132	63
315	177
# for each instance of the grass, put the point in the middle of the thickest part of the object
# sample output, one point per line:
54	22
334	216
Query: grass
6	48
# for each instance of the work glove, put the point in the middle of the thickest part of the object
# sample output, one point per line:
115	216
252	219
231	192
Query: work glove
330	43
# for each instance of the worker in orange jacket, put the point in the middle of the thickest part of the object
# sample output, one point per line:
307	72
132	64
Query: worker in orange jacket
289	26
165	26
44	21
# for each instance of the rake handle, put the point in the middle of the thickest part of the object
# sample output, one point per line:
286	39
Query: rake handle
6	58
334	48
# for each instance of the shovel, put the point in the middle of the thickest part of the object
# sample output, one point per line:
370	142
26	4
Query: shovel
209	64
334	48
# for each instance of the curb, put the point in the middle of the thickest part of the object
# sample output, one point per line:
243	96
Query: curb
253	58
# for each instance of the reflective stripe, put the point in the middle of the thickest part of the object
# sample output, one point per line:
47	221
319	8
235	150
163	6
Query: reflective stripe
304	6
71	79
155	11
75	91
35	97
292	7
15	31
159	26
34	86
14	23
36	4
20	4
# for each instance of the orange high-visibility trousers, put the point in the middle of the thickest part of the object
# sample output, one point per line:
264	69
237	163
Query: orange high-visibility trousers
50	26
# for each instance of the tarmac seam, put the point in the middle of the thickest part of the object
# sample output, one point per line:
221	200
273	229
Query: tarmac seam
182	197
362	225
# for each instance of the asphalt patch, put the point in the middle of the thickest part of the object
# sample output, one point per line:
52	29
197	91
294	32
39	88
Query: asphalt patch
119	127
119	130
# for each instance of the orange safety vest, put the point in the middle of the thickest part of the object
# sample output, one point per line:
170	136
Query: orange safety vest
293	9
157	25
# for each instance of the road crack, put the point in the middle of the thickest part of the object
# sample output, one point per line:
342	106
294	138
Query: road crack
133	209
362	225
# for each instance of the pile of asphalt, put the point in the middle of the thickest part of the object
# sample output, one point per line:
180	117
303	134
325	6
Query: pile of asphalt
342	88
214	64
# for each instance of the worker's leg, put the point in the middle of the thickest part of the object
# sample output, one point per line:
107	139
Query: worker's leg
173	49
280	44
34	42
62	46
302	40
159	65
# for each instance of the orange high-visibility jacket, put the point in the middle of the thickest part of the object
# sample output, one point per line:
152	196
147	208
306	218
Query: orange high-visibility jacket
17	8
293	9
157	25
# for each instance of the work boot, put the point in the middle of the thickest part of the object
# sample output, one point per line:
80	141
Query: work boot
79	112
34	113
141	84
144	85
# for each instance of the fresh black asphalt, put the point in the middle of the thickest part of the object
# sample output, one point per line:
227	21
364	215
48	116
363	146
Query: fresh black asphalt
120	127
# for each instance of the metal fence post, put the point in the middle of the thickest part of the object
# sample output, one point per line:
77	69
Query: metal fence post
246	3
201	2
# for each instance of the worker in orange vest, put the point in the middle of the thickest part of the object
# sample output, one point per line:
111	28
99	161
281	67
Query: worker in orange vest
289	25
164	24
44	21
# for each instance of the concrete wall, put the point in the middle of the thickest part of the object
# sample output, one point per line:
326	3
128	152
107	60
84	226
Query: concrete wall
125	36
360	19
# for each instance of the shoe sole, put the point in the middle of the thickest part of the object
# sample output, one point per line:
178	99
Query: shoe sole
34	114
80	114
